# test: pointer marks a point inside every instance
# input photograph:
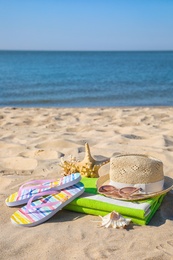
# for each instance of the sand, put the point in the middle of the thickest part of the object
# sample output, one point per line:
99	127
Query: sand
32	141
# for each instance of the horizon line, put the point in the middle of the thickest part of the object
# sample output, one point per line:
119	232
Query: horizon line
87	50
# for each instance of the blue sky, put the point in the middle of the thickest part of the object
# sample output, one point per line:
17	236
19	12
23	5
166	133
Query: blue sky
86	25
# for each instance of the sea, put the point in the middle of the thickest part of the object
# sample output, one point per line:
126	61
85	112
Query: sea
86	78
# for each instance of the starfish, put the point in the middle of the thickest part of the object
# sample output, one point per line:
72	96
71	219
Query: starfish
88	167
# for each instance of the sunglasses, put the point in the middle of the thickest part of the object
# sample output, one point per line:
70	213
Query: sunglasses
125	192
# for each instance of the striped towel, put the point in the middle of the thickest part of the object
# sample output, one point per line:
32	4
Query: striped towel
93	203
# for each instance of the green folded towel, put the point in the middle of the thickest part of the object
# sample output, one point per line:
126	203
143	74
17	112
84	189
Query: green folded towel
100	212
93	203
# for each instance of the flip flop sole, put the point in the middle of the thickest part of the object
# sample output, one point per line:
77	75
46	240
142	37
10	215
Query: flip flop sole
29	218
61	183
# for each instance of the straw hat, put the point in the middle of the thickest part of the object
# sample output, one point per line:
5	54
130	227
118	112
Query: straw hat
134	177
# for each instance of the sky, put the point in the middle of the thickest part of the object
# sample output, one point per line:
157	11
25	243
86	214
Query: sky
86	25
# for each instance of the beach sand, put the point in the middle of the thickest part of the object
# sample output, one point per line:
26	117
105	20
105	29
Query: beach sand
32	141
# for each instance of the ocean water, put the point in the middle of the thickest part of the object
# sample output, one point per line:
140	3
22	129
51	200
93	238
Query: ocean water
85	79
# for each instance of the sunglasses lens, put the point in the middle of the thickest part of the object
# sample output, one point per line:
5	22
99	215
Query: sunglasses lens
129	192
107	188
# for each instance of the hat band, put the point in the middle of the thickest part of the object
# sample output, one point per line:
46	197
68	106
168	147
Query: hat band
145	187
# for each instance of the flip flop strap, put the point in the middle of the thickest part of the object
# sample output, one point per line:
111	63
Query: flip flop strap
27	185
46	204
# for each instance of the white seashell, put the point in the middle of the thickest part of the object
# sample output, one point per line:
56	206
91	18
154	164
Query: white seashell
115	220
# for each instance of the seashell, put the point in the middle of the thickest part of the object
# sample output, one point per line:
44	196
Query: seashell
115	220
88	167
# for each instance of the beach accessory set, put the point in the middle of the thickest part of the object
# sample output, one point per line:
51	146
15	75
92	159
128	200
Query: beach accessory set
44	199
131	178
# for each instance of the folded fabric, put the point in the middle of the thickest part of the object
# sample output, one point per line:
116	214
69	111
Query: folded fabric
98	212
91	202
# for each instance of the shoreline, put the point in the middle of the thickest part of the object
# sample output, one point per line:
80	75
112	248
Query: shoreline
84	107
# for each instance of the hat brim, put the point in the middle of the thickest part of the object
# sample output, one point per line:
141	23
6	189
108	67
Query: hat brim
104	180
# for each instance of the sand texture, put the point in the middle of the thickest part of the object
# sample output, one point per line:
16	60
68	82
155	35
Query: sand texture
32	141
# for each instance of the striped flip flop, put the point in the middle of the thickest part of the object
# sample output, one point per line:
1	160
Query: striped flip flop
39	211
33	188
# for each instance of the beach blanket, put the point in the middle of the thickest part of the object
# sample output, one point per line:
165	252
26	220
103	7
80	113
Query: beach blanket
93	203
